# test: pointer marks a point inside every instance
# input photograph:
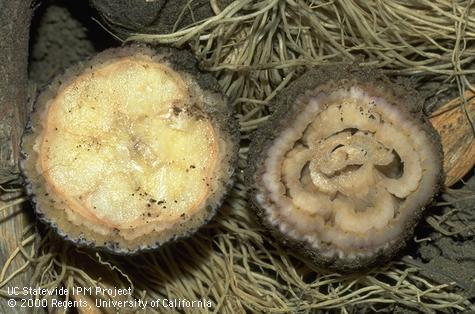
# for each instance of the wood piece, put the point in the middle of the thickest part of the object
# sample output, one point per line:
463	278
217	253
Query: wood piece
457	135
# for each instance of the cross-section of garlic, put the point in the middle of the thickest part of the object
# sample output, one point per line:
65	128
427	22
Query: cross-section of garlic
346	170
128	151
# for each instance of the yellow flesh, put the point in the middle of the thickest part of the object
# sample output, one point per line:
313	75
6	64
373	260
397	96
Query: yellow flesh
121	149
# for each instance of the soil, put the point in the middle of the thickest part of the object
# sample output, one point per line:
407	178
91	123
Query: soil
450	259
62	34
159	16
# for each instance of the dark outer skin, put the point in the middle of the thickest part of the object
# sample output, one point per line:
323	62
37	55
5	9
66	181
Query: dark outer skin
159	17
183	62
15	17
284	114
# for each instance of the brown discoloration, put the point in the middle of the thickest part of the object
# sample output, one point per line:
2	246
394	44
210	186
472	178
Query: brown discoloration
457	136
285	111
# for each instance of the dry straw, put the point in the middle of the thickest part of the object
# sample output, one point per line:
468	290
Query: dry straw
255	48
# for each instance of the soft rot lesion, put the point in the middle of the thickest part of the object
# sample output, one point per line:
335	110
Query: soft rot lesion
339	175
344	171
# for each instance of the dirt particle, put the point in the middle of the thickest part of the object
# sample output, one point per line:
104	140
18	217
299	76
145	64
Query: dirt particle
176	110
